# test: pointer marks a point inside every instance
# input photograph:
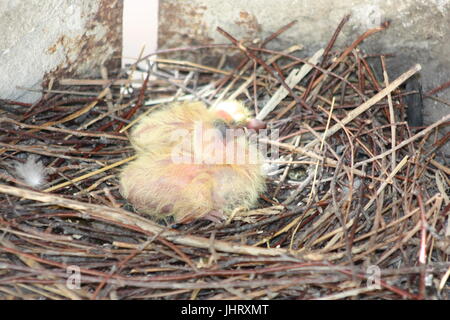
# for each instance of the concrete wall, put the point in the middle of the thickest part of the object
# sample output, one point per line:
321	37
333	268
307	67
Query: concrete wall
419	31
44	38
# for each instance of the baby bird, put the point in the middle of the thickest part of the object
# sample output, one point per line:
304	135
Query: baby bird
194	162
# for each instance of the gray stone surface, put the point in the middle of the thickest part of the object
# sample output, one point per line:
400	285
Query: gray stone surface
41	37
419	31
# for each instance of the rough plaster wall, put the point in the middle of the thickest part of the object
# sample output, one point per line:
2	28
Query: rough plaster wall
44	38
419	31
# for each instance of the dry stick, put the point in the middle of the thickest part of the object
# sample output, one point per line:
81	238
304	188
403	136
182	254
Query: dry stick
311	154
411	233
324	71
385	183
286	170
340	215
90	174
440	166
439	88
325	55
347	293
194	65
63	290
369	103
72	132
239	70
103	115
350	49
444	279
316	169
358	140
391	114
42	151
239	75
407	141
393	126
253	76
255	89
140	101
128	218
436	199
109	95
96	82
79	112
183	87
71	116
274	73
53	104
278	32
292	80
423	244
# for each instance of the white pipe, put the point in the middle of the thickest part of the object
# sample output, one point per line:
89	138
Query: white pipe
140	28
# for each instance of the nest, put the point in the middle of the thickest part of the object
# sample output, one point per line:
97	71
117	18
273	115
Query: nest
356	206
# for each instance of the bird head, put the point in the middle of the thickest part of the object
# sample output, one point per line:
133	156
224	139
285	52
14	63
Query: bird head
235	114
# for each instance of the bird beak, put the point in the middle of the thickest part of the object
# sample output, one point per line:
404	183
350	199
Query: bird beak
255	124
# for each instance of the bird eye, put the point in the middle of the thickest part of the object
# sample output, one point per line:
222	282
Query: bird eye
221	126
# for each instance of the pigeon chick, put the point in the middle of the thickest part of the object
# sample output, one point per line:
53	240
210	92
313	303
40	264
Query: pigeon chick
194	162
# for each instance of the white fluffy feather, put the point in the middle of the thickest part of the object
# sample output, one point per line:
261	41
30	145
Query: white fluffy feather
32	172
